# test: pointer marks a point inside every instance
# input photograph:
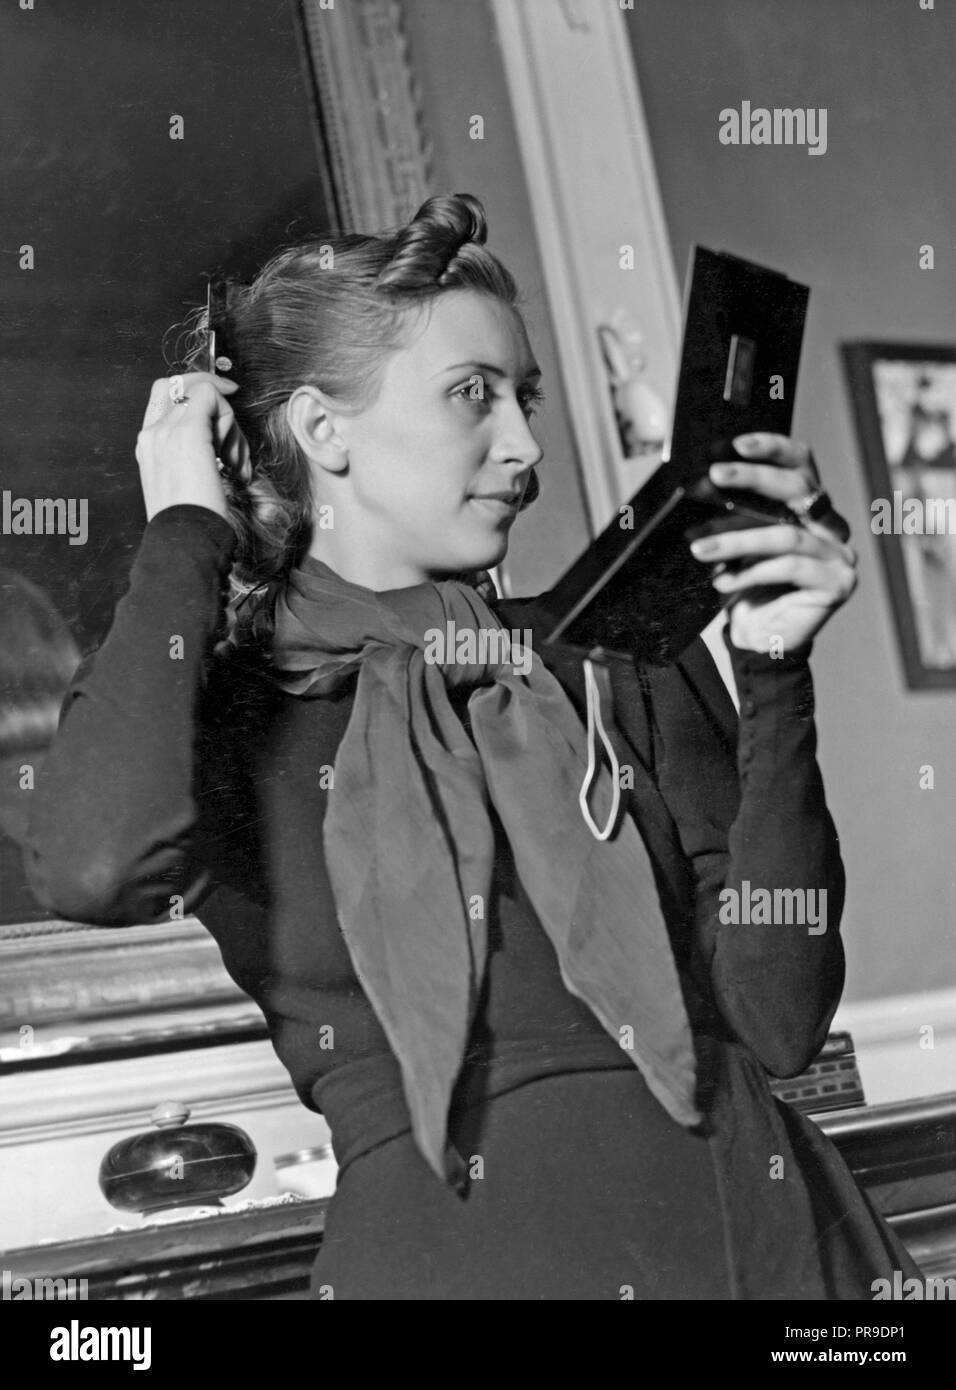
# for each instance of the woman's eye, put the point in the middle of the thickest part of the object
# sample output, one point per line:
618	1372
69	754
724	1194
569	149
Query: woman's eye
473	390
530	399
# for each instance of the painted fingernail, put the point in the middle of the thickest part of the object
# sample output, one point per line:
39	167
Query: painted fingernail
746	443
723	471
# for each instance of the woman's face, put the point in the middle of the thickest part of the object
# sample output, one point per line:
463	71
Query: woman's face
438	464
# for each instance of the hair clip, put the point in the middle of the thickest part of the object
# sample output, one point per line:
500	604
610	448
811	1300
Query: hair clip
218	356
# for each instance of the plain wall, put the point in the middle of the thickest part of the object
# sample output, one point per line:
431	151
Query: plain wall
849	223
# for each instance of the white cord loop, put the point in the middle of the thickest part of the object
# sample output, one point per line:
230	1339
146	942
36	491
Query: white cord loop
596	727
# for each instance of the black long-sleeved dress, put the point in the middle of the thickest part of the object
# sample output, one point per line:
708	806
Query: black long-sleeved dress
180	777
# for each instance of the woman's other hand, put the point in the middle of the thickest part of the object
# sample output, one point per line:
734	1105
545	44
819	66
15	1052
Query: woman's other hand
783	582
188	427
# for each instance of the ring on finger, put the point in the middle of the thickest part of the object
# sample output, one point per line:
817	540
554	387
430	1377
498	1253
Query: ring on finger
812	506
177	392
817	505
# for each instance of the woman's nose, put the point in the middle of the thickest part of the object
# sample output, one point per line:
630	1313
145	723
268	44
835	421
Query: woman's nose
516	443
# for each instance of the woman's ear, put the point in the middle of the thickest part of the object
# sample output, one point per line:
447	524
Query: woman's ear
313	423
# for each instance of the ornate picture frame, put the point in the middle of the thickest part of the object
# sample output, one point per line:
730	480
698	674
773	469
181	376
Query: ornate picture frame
367	110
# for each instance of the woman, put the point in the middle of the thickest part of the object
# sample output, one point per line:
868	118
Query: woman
541	1052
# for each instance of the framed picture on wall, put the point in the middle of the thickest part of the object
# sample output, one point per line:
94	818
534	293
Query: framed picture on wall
904	399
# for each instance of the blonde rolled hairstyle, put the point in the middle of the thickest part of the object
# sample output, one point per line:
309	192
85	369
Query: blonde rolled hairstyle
327	312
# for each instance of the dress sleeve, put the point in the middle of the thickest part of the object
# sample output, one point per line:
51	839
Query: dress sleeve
111	834
769	880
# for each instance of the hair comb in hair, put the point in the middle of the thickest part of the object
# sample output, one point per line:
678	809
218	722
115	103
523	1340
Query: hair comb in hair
219	355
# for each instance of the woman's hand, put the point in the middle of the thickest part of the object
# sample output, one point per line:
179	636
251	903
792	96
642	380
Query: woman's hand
783	582
179	446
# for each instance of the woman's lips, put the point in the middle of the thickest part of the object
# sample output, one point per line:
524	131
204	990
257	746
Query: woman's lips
499	506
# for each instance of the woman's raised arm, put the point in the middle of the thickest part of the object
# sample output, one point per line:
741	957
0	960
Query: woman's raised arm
110	836
110	832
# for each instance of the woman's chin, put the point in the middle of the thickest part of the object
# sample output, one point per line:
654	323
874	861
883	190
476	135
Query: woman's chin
469	553
486	557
